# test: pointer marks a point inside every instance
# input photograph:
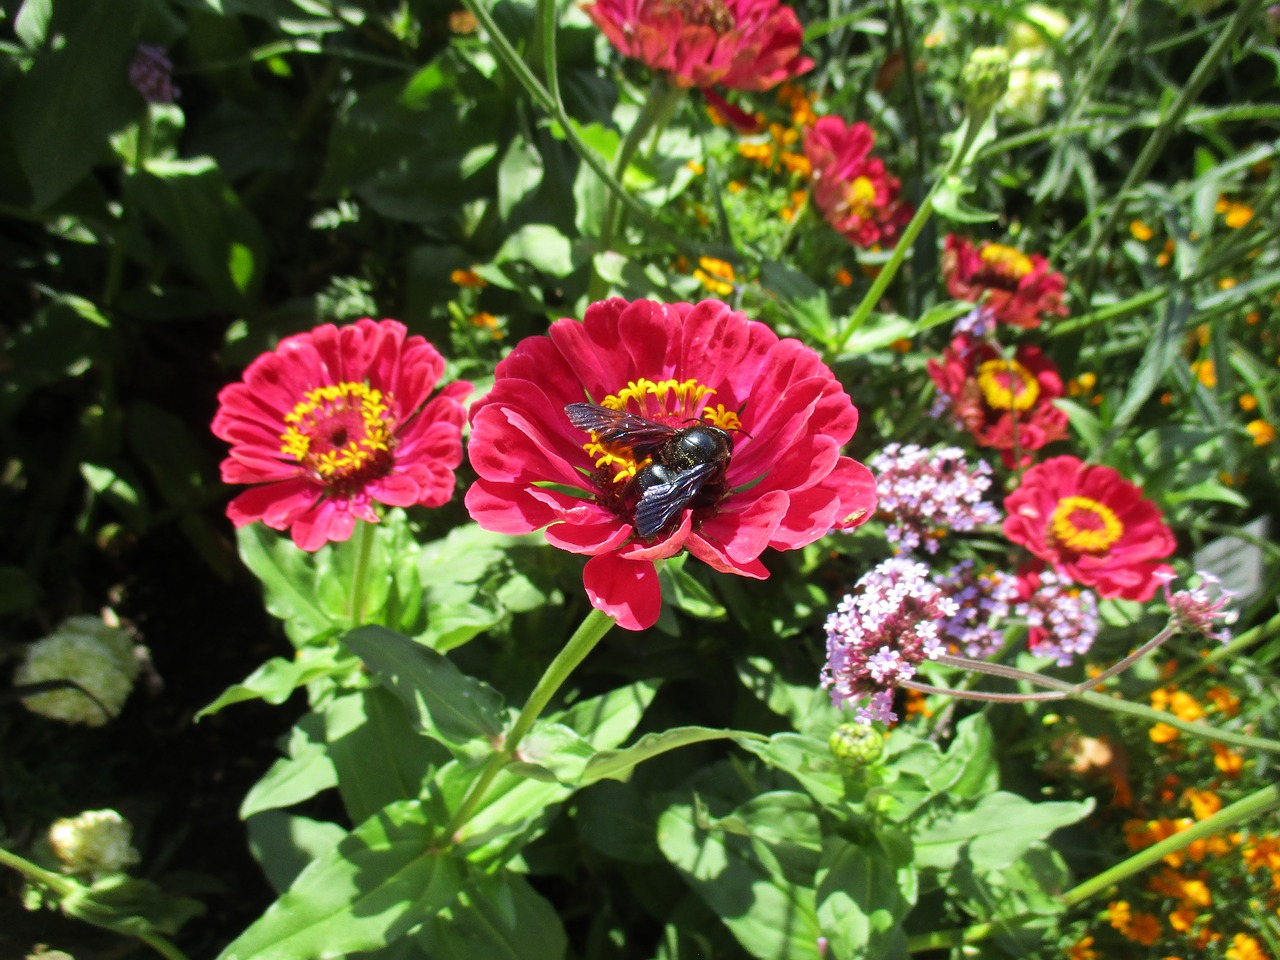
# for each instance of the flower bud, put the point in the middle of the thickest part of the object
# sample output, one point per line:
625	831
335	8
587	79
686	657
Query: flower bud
856	745
97	843
984	78
94	655
1041	22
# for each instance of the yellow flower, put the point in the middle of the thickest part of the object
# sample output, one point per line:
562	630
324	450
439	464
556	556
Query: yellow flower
1237	215
1082	949
1165	255
1223	700
1185	706
716	275
1244	947
1227	760
487	321
695	166
1226	283
1248	402
1141	231
1261	431
1205	373
1163	733
1203	803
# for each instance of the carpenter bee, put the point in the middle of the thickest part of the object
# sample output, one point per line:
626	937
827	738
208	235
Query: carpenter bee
686	462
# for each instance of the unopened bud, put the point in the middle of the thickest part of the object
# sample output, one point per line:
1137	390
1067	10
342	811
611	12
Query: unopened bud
96	843
985	78
856	745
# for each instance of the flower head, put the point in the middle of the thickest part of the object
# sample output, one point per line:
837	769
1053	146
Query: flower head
149	73
736	44
1018	288
1201	609
880	632
96	843
1005	403
335	419
1092	525
95	656
783	415
983	600
1062	619
851	188
924	493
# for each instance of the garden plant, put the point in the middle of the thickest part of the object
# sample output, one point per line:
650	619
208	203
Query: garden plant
639	479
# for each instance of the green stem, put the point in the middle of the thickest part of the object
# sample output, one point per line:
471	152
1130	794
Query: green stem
62	887
1254	805
360	575
1159	139
967	138
1117	705
1263	631
589	633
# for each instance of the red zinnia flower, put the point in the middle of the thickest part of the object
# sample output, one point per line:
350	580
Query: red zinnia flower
332	420
785	485
1005	404
736	44
851	187
1015	287
1092	525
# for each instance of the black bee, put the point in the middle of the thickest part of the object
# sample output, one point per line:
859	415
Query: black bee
686	461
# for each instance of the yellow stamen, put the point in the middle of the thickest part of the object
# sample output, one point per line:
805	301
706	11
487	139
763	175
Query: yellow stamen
1008	385
1006	260
340	430
1085	525
860	197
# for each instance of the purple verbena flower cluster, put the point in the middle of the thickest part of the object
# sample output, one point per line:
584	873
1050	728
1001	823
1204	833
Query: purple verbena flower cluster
149	72
1201	609
924	493
984	599
1062	618
880	632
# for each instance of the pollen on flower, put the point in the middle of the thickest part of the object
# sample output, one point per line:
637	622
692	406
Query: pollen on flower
340	433
1008	385
1006	260
1085	525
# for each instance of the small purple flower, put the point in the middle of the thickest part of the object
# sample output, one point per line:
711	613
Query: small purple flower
1062	618
924	493
1201	609
149	73
880	632
978	322
985	599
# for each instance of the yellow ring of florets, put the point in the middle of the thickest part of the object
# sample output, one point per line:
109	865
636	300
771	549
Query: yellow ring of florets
998	395
354	455
1085	540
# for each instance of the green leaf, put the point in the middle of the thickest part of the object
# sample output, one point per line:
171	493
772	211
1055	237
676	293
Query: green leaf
807	706
498	916
1161	351
860	901
1207	490
287	573
804	300
618	764
59	114
543	247
212	236
755	869
1084	421
807	759
304	773
461	712
384	878
284	843
551	751
950	202
1030	887
519	175
277	679
969	769
129	905
993	833
378	757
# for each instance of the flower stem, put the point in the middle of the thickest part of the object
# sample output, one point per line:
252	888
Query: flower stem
589	633
360	573
63	887
1268	798
967	137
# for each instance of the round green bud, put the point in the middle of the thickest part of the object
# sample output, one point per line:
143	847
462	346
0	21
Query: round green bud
985	78
856	745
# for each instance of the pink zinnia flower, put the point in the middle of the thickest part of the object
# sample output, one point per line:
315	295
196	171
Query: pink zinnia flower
335	419
1017	288
736	44
1005	404
1092	525
852	189
785	414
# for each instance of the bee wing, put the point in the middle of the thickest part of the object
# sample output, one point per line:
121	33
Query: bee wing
662	502
614	428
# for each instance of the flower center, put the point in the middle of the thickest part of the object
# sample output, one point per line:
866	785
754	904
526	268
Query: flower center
860	197
341	434
1085	525
705	13
672	402
1006	260
1007	385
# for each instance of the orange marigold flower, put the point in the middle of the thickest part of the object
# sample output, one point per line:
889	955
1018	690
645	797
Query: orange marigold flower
463	22
1144	928
1182	919
468	278
1253	318
1226	283
1082	949
1248	402
843	277
1119	913
1141	231
715	275
1205	373
1163	733
1185	707
735	186
487	321
1203	803
695	167
1223	700
1165	255
1244	947
796	163
1262	853
1261	431
1226	759
1237	215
